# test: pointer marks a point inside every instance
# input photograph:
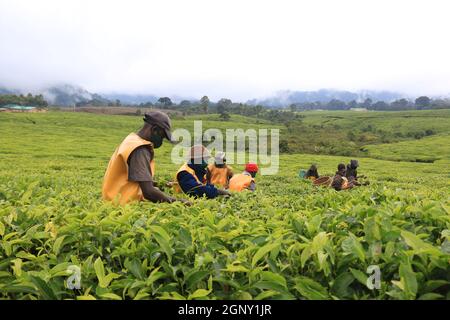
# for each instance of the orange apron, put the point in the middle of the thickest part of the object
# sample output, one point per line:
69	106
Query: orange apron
116	186
219	176
188	169
240	182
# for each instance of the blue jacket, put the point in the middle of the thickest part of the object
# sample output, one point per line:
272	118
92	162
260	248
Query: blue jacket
190	186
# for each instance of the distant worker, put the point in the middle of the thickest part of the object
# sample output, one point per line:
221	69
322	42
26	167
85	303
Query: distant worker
130	172
340	181
191	177
351	173
244	180
219	173
312	173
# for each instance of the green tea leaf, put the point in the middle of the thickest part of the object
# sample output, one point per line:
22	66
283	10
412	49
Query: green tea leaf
45	291
306	254
351	245
199	293
431	296
57	244
277	278
135	267
111	296
310	289
99	270
235	268
319	242
418	244
194	277
371	230
160	231
360	276
2	229
341	285
408	280
263	251
163	239
266	294
103	280
17	267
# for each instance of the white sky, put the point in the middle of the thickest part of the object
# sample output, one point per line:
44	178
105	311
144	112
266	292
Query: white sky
235	48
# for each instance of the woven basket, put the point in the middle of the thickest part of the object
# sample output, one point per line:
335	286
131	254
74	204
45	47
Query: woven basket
323	181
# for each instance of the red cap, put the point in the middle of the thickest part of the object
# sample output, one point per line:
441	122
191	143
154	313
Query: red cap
251	167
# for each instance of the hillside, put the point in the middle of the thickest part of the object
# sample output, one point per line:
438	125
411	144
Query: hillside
350	133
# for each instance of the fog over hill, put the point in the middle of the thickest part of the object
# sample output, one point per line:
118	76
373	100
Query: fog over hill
69	95
287	97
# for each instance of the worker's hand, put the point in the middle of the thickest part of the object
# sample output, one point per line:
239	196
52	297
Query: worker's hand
185	202
170	184
223	192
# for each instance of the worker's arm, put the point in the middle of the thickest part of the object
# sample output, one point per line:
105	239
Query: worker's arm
223	192
229	176
230	173
252	186
139	171
152	193
208	176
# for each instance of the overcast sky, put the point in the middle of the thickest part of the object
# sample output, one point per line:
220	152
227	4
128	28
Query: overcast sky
235	48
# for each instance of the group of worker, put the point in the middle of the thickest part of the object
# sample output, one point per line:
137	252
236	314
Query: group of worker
198	178
346	177
130	172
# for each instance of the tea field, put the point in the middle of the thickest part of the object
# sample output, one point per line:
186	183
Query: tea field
287	240
360	132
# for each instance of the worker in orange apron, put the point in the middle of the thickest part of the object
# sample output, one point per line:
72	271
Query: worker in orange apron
340	181
244	180
191	177
130	172
219	173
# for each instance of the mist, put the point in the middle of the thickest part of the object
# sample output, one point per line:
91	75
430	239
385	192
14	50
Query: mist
234	49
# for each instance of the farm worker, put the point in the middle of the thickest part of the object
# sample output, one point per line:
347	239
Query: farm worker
244	180
312	173
191	177
340	181
130	172
219	173
351	173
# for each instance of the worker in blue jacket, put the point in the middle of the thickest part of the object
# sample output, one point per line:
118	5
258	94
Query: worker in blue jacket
191	177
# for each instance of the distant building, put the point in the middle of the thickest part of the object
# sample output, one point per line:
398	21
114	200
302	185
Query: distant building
18	108
358	109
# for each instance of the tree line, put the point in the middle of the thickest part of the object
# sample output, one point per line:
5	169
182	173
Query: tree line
421	103
224	107
23	100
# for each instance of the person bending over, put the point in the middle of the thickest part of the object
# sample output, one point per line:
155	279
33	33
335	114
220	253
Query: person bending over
191	177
